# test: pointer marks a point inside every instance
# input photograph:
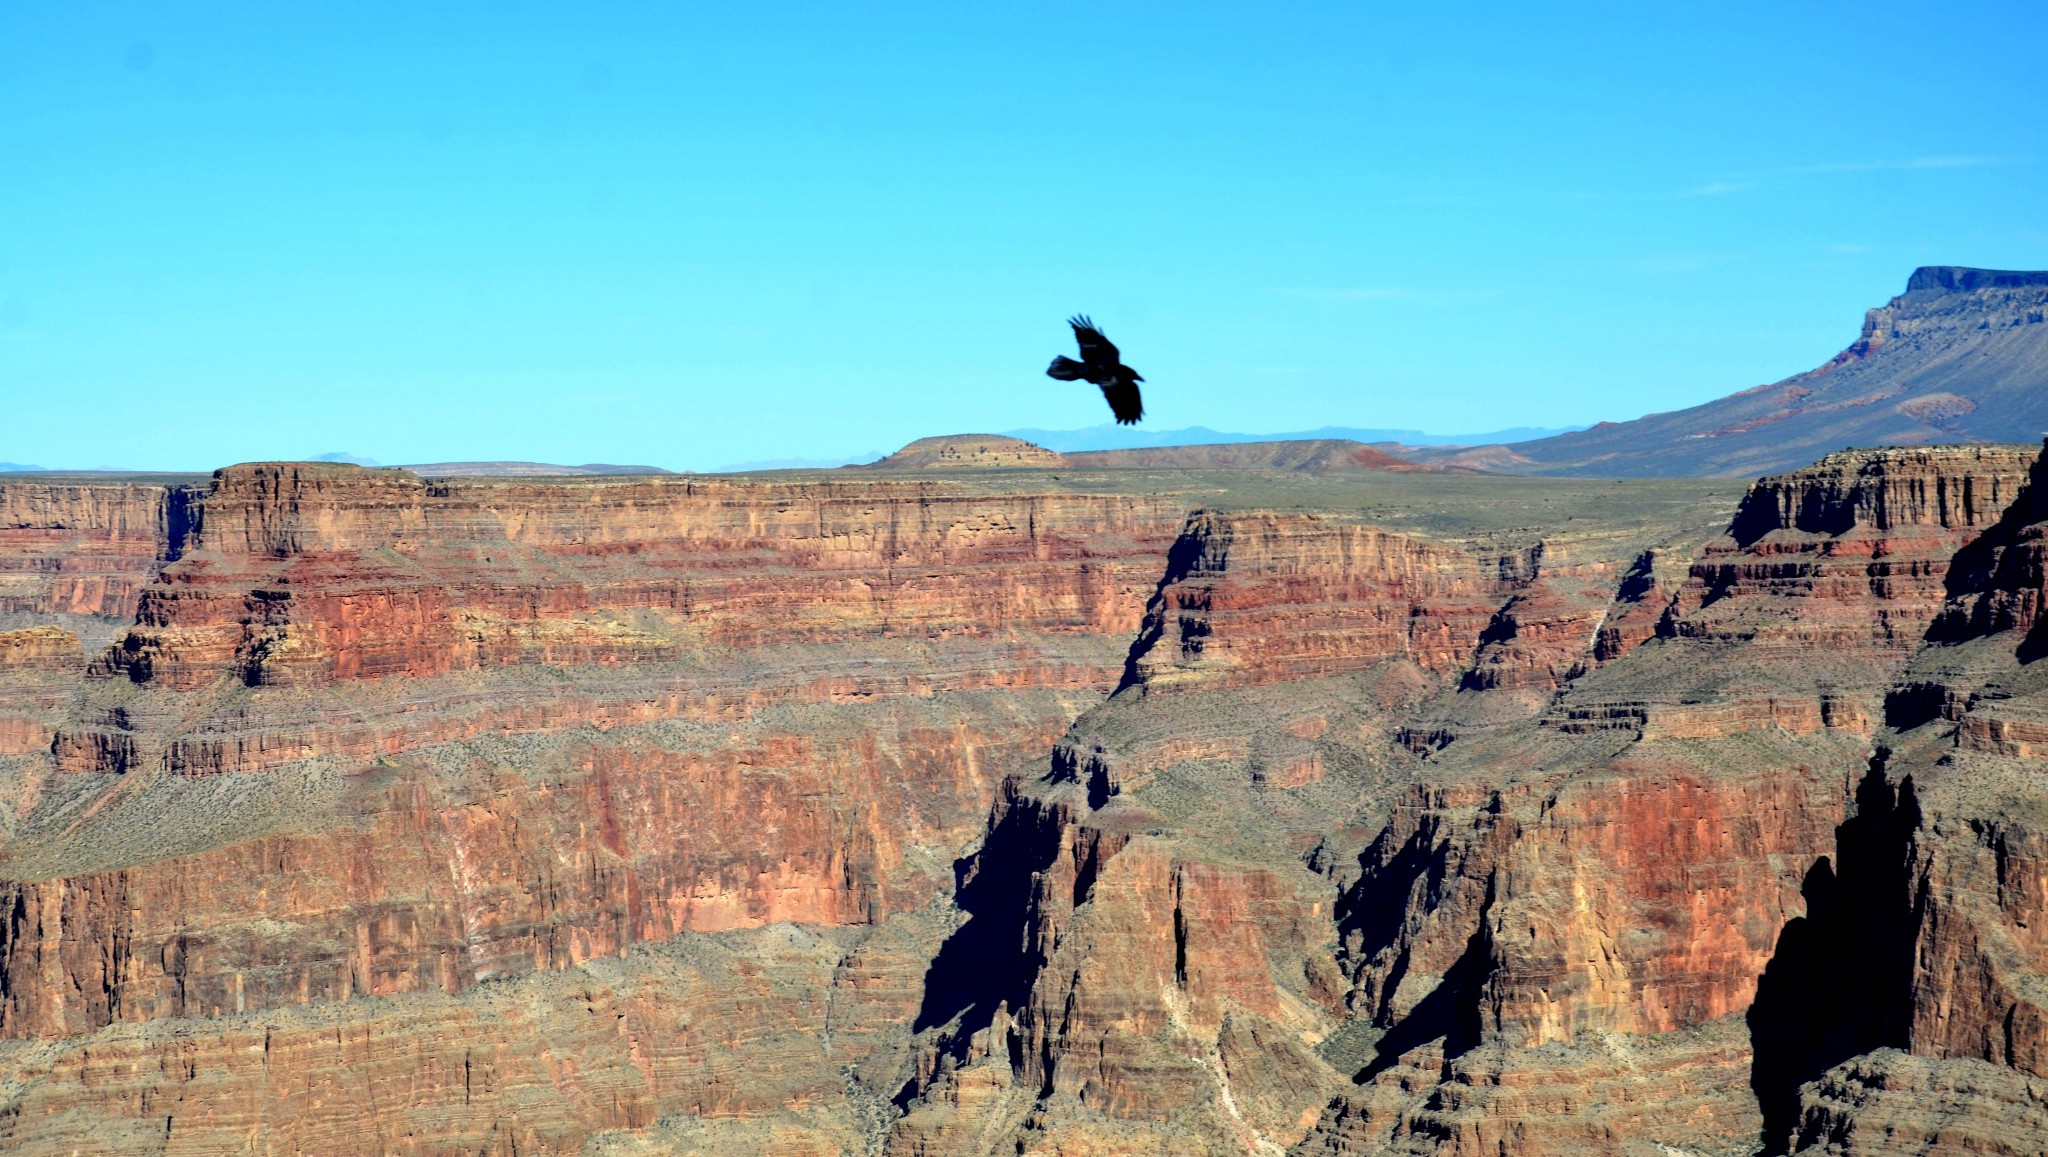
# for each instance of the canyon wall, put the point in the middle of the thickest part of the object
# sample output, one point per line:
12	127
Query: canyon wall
370	739
1936	895
1516	901
871	812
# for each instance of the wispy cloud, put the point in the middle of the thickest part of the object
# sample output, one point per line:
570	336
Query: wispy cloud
1354	293
1913	163
1744	182
1718	189
1656	263
1383	293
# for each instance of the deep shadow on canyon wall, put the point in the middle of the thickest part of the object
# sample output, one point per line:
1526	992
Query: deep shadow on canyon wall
1841	981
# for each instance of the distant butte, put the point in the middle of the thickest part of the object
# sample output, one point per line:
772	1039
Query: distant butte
968	450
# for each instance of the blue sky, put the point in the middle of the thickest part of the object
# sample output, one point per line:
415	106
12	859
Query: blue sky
689	235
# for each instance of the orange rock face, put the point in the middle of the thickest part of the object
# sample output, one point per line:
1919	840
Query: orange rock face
84	548
1552	939
1265	598
1862	542
304	574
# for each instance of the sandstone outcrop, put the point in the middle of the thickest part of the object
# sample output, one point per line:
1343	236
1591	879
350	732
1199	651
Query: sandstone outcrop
372	739
1270	597
1549	934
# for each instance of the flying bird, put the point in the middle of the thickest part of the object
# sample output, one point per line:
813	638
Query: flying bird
1099	364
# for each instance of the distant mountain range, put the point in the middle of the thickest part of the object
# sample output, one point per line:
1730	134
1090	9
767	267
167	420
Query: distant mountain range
522	469
500	469
1961	356
1108	437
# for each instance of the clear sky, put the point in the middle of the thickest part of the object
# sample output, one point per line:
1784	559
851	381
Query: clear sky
691	234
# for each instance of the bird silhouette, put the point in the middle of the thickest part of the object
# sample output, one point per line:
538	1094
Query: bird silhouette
1100	364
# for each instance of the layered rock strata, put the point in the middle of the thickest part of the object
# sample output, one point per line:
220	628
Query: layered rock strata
373	740
401	816
1937	889
1542	937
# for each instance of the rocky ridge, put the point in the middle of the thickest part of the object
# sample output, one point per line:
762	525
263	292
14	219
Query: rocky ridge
1960	356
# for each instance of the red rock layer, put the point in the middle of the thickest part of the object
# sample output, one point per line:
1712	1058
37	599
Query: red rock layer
506	726
605	847
2002	583
1145	997
36	670
521	716
1643	898
1952	899
1556	625
738	1027
1861	542
295	573
83	548
1260	598
1534	894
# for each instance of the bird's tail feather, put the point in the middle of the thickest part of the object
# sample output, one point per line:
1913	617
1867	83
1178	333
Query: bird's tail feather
1066	369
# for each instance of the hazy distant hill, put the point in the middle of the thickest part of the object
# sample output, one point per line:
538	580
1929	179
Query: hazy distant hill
523	469
998	451
1308	456
1110	437
1961	356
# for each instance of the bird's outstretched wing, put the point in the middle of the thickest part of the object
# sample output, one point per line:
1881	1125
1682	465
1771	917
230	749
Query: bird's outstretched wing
1096	350
1122	395
1066	369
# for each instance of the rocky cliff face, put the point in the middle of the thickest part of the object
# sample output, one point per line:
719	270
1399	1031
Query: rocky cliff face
84	549
1271	598
620	815
369	737
1939	889
1543	937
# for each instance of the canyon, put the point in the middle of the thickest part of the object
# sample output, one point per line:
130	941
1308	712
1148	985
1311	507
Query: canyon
994	802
